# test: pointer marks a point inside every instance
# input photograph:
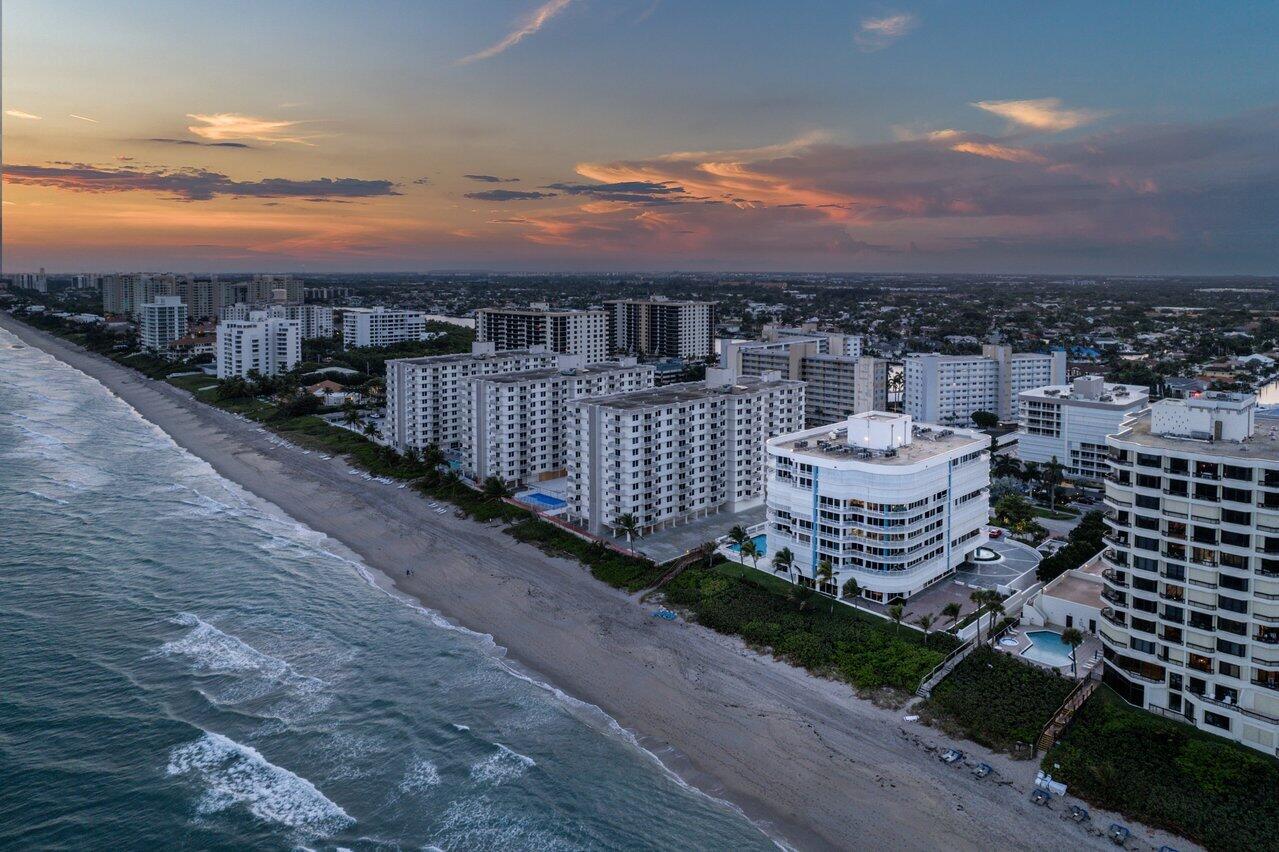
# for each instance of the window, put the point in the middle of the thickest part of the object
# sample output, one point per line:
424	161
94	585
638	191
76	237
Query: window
1216	720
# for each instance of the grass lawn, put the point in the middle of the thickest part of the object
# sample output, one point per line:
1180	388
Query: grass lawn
805	629
1169	775
997	700
1058	515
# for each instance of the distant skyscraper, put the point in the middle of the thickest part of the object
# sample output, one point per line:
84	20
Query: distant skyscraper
163	321
663	327
269	345
582	333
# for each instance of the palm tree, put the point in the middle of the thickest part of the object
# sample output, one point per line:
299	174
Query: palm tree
1052	476
926	621
895	613
349	414
784	560
627	525
737	535
852	589
750	550
996	608
952	611
370	430
979	598
495	488
824	574
1072	637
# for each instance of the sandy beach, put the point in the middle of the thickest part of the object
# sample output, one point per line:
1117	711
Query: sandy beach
812	764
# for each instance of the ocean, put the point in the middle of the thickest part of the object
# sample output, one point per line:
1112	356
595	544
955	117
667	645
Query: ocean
183	666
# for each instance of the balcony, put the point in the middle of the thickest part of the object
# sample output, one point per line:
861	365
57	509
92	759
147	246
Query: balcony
1115	578
1263	638
1230	705
1120	620
1266	684
1116	598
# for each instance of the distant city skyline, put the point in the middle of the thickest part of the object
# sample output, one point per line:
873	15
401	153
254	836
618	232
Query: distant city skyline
641	135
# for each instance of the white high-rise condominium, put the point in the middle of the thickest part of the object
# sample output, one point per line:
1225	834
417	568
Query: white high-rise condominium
315	321
380	326
947	389
675	453
893	504
269	345
828	342
837	385
1191	626
515	421
1070	423
662	327
425	397
582	333
163	321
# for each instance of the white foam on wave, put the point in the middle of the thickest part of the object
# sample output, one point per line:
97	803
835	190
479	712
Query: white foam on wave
503	765
257	674
57	500
420	775
461	727
233	774
479	823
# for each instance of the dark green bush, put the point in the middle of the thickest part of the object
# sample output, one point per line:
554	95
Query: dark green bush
1170	775
997	700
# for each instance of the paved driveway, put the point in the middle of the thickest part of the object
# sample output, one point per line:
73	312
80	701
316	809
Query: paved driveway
1018	559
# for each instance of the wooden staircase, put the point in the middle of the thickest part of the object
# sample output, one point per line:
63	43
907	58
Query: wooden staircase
1065	713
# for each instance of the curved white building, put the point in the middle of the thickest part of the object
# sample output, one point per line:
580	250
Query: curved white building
892	503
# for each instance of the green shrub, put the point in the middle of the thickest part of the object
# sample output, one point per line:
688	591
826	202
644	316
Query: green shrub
997	700
805	629
1168	774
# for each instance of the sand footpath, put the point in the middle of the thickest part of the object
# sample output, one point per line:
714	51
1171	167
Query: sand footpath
813	765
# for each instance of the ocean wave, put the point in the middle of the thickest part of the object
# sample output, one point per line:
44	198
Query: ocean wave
233	774
503	765
57	500
420	775
478	823
257	674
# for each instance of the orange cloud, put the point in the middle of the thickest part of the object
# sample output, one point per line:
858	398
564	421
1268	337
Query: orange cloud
17	113
999	152
1042	114
227	126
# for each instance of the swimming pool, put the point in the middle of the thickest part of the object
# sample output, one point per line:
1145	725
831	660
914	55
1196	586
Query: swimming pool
546	501
761	545
1047	648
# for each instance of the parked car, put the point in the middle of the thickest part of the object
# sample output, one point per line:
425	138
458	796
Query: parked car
996	533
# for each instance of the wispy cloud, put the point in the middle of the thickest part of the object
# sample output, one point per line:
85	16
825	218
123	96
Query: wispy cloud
491	179
878	33
163	141
1043	114
189	184
17	113
995	151
530	25
223	126
83	118
508	195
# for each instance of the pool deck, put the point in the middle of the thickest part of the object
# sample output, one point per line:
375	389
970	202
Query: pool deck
673	542
1088	654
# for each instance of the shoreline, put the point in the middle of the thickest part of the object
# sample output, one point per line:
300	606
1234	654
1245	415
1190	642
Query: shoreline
802	757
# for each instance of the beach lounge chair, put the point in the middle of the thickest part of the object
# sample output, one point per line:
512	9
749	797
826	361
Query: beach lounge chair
1040	797
1118	834
1079	814
951	755
982	770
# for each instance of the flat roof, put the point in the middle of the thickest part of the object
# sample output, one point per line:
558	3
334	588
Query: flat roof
1263	446
687	392
924	445
458	357
550	372
1124	395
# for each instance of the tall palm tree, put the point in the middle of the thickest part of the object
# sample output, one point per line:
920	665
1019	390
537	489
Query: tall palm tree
895	613
1052	475
784	560
737	535
979	598
952	611
926	621
350	416
750	550
852	589
824	574
995	605
1072	637
627	525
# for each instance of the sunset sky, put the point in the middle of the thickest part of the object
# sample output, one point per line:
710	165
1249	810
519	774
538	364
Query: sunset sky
654	135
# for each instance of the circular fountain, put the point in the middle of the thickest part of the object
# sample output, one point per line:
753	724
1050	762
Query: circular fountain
985	554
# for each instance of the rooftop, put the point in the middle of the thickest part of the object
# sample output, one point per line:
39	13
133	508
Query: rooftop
1082	585
463	357
926	442
1091	390
688	392
1263	445
551	372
